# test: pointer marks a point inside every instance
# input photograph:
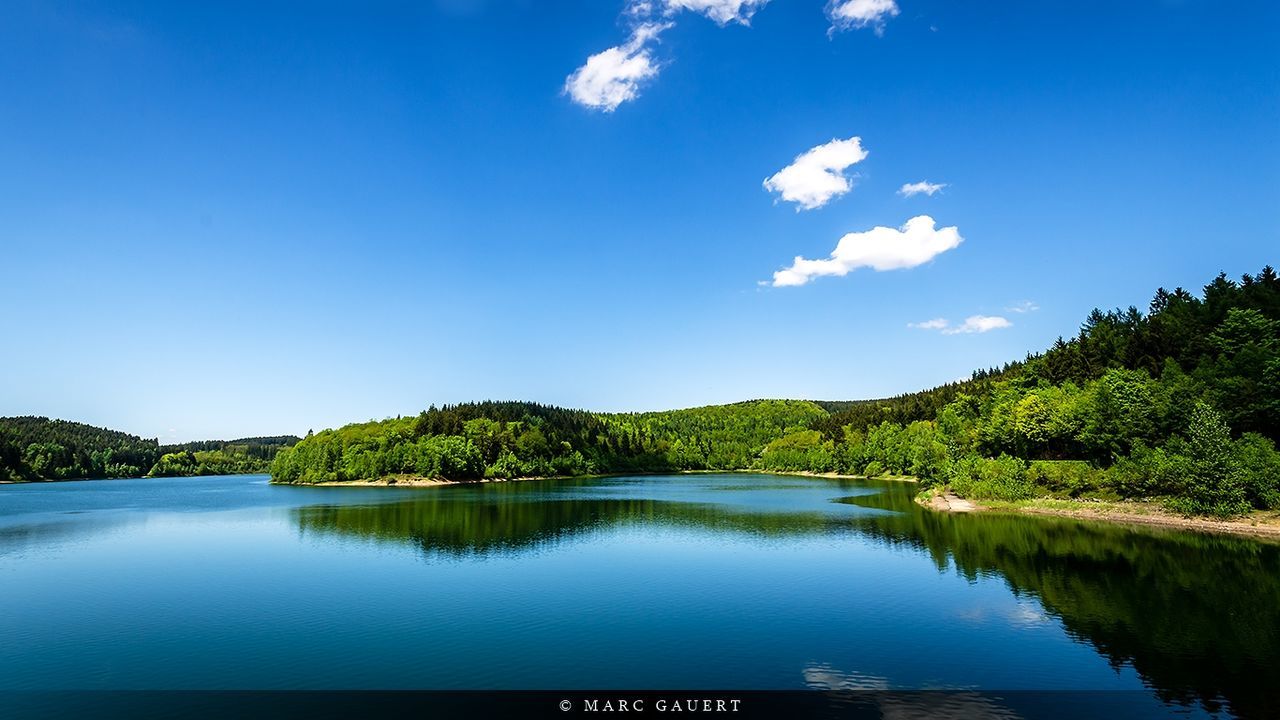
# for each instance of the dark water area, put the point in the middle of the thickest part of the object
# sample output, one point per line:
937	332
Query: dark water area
693	582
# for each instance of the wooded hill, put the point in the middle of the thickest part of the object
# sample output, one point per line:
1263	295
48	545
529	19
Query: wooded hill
37	448
1180	402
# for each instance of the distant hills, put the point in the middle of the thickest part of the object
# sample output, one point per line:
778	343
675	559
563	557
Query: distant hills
38	448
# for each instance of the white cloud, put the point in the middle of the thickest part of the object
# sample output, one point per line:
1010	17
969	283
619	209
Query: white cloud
614	76
934	324
722	12
854	14
978	324
924	186
971	324
880	248
1025	306
639	8
817	175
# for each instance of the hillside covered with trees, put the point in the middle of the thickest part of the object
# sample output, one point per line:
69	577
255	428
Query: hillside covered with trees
37	448
1181	402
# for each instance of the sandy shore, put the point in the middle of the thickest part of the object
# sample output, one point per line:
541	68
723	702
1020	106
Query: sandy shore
806	473
419	481
949	502
1258	524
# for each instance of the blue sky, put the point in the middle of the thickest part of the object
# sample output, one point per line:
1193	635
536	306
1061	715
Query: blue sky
239	218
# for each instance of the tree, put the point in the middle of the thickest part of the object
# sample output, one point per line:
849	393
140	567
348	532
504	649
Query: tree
1214	483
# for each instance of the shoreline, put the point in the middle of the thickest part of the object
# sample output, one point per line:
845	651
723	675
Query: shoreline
47	481
1258	525
419	481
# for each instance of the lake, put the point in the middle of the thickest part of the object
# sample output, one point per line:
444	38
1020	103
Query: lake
733	581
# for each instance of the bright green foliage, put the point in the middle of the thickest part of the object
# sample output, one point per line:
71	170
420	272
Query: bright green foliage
176	464
1134	406
1259	465
1214	482
509	439
1070	478
1002	478
801	450
1151	472
37	448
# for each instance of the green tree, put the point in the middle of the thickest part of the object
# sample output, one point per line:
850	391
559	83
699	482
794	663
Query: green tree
1214	482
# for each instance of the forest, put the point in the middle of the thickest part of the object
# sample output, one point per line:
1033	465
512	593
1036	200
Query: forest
37	448
1179	403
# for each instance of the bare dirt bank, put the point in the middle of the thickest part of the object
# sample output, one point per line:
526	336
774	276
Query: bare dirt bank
1258	524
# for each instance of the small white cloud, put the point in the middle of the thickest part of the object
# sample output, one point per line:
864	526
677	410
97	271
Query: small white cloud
880	248
817	175
614	76
1025	306
971	324
934	324
855	14
917	188
978	324
722	12
639	8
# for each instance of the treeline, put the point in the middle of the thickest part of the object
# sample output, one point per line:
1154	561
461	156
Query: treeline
514	439
1181	402
37	448
220	457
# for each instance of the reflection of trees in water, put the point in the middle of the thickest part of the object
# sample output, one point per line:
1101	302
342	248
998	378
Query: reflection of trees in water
482	526
1196	615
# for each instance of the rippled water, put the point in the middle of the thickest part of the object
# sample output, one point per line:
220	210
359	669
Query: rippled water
694	581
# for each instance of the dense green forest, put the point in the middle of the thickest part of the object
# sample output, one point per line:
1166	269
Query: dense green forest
220	457
1180	403
37	448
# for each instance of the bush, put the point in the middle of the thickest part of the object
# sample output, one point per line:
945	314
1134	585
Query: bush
1259	464
1151	472
1004	478
1071	478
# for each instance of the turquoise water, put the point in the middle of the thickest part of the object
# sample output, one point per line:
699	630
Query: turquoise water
685	582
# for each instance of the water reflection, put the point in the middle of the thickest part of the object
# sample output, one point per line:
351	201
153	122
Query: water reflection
442	525
1197	616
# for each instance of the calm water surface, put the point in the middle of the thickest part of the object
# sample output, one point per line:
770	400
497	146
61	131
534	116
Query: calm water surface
702	581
